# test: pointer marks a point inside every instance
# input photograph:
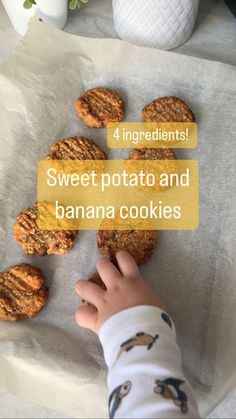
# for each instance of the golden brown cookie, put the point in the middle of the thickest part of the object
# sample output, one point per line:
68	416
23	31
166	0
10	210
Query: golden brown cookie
148	156
167	109
41	242
139	243
99	106
22	292
152	154
76	148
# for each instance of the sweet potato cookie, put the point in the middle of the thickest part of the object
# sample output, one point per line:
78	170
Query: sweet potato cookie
152	154
167	109
99	106
38	242
22	292
76	148
139	243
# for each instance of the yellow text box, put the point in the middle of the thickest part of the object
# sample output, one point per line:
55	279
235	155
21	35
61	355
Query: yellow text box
152	135
140	194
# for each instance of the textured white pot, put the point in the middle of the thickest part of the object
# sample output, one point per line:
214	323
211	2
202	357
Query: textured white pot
52	11
163	24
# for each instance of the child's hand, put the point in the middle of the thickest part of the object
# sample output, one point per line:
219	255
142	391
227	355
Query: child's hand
125	289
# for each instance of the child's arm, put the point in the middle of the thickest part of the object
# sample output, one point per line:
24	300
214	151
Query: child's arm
145	377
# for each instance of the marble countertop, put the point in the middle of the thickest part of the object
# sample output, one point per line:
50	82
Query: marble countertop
214	39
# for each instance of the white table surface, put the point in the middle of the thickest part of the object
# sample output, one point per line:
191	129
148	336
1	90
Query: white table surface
214	38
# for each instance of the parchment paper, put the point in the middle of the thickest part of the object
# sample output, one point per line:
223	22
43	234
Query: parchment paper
48	359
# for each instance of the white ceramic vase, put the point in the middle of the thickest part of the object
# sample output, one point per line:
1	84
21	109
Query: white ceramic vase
52	11
163	24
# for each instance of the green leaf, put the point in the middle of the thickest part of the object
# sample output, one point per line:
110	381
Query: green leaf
76	3
73	4
28	4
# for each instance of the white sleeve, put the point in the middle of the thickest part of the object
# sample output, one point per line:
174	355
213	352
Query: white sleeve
145	378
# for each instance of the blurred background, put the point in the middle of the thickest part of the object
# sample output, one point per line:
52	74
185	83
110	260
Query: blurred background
214	32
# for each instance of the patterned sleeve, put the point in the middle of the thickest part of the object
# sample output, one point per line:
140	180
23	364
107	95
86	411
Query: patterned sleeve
145	377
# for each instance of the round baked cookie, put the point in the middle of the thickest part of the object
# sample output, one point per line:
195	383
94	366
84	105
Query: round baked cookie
167	109
22	292
76	148
139	243
152	154
99	106
149	156
38	242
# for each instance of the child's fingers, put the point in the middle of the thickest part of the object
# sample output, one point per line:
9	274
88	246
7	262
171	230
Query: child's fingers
108	272
127	264
86	316
89	292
